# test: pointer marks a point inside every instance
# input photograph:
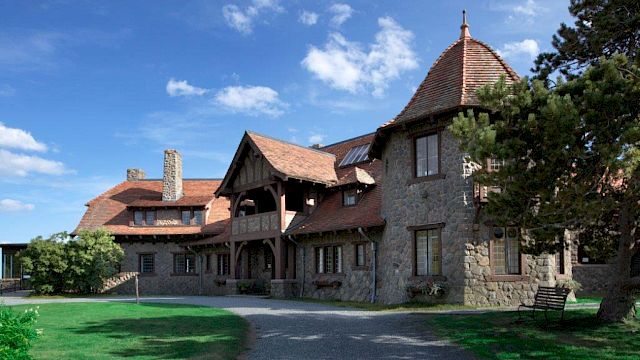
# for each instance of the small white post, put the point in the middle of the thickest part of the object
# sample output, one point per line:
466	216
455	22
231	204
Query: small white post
137	291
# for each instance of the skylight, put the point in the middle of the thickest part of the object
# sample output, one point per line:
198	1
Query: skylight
356	154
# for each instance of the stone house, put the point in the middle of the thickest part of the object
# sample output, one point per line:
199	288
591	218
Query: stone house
387	216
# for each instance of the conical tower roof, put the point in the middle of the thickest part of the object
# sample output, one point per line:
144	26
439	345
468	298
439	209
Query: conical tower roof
452	82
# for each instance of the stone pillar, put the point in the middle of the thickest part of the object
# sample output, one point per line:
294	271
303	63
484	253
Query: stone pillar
172	176
135	174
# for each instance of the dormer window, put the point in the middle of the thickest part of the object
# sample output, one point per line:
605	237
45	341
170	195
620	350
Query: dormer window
138	217
350	197
150	218
357	154
198	217
186	217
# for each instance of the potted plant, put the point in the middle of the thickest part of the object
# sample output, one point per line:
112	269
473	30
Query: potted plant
243	287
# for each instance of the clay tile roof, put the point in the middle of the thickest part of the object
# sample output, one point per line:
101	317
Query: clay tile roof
452	82
296	161
464	67
330	215
109	209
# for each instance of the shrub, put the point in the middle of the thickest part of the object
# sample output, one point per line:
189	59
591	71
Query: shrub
62	264
16	333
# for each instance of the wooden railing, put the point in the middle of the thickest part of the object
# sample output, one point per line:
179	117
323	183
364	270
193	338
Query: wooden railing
258	223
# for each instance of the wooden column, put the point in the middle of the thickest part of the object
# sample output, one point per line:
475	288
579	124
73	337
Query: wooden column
278	258
291	261
282	206
232	260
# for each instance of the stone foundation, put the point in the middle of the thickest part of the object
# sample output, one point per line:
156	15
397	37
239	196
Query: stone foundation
285	288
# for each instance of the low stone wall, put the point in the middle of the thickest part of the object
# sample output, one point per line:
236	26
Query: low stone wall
284	288
593	278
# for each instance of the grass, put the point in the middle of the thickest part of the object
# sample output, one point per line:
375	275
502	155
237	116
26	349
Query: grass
498	335
588	300
137	331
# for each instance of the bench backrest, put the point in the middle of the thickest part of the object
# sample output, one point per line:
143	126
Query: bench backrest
551	297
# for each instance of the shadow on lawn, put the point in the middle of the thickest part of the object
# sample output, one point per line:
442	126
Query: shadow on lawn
173	336
580	336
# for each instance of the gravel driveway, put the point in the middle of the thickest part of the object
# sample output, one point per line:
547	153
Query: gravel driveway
303	330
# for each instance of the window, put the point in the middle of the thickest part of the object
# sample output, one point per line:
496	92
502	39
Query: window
560	262
349	197
184	263
151	218
356	155
146	263
427	155
428	249
198	217
495	164
360	255
186	217
138	217
586	255
505	251
208	263
329	260
223	264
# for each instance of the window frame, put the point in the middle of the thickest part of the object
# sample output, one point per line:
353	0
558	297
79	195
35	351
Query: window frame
522	275
414	242
153	264
344	197
356	257
182	212
142	218
325	259
414	155
146	217
223	264
184	271
194	218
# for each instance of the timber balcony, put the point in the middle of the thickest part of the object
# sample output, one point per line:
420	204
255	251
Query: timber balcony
261	226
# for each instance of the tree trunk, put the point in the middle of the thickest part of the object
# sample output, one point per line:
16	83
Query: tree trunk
619	301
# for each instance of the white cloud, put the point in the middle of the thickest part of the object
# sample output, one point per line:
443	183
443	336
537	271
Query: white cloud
21	165
529	8
528	47
251	100
345	66
243	19
308	18
14	138
316	139
7	90
183	88
10	205
341	13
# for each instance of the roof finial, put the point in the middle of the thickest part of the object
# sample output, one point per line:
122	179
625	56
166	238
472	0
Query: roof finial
464	28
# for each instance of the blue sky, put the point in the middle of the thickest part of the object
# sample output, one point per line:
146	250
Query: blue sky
91	88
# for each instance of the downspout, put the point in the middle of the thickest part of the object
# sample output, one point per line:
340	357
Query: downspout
199	256
304	270
374	250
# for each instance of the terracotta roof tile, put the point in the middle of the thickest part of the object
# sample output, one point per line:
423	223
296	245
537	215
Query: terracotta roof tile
296	161
109	210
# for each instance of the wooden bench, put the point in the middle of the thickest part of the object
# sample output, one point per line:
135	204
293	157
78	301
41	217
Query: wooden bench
547	298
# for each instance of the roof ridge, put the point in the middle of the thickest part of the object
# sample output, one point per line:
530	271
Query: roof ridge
463	87
347	140
249	132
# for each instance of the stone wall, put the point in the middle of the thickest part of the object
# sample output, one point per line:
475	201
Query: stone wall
164	281
168	217
447	202
172	176
355	282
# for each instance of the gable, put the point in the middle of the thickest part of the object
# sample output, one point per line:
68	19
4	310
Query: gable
253	169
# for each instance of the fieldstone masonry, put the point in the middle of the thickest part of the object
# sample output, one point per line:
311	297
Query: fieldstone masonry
135	174
172	176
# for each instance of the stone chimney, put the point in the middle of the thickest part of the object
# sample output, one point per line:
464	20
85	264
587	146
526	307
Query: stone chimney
135	174
172	176
316	146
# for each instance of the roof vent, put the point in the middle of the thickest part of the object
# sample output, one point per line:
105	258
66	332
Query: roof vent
135	174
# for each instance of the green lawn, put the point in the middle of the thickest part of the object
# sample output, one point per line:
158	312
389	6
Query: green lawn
498	335
145	331
415	306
